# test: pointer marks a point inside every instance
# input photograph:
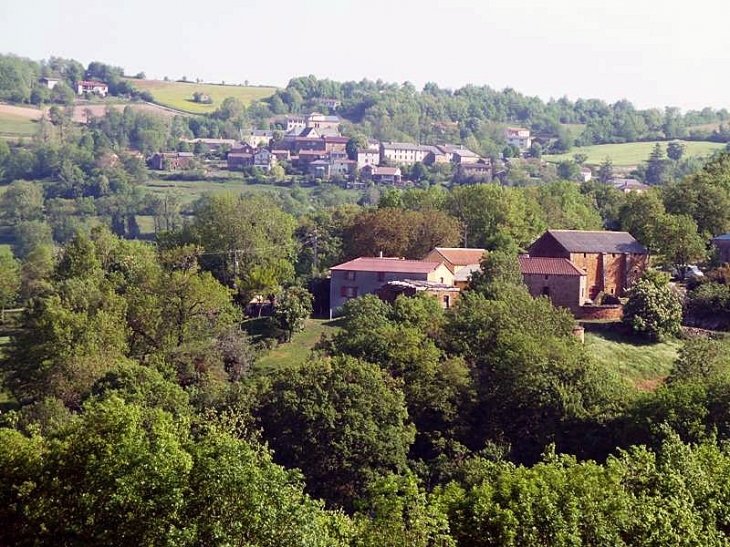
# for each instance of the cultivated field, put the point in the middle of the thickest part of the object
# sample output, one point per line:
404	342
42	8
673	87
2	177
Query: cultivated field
632	153
179	95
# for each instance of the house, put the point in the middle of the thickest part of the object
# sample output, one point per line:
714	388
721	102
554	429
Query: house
403	153
335	144
305	157
722	244
557	278
170	161
264	159
320	121
447	295
319	169
480	171
331	103
629	185
455	258
50	83
612	261
259	137
462	277
519	137
241	157
586	174
458	154
368	156
92	87
295	122
342	167
366	275
382	175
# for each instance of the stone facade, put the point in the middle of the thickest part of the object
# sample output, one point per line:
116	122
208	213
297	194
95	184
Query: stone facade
565	291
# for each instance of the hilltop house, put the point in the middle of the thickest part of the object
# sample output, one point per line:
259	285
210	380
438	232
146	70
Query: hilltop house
612	261
367	275
92	87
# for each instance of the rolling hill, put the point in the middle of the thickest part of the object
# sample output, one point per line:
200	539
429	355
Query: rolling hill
632	153
179	95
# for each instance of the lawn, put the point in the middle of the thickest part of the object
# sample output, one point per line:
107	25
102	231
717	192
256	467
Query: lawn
643	364
631	153
12	124
299	348
179	95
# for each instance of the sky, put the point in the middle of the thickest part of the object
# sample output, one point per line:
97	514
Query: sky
654	53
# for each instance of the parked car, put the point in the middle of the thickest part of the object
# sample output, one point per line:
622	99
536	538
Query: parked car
691	271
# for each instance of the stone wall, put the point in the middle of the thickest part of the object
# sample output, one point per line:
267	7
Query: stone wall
595	313
565	291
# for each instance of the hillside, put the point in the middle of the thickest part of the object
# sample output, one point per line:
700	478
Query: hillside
179	95
632	153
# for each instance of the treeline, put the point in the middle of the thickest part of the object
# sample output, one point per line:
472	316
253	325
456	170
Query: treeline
20	80
475	115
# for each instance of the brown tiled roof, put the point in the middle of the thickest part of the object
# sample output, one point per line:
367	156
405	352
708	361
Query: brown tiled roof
461	256
392	265
548	266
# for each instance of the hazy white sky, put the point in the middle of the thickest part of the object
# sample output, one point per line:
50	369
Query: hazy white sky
652	52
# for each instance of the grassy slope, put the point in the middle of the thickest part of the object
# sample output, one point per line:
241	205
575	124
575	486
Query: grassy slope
299	348
13	124
179	95
632	153
644	365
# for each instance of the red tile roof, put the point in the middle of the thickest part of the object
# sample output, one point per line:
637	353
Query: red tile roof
548	266
393	265
461	256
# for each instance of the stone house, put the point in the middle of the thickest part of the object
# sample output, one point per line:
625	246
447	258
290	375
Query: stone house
92	87
557	278
519	137
366	275
612	261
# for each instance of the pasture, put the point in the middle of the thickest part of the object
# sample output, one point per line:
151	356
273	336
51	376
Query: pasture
179	95
631	153
645	365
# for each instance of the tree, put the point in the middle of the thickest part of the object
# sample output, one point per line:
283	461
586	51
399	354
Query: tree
498	268
675	150
340	402
22	201
641	215
291	311
653	309
568	170
656	166
9	281
605	171
678	241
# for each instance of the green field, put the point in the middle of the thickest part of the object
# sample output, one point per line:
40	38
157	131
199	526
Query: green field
179	95
12	125
644	365
299	348
631	153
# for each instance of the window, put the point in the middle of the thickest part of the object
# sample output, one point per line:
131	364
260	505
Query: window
447	301
350	275
584	255
442	280
381	276
348	292
546	277
546	291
